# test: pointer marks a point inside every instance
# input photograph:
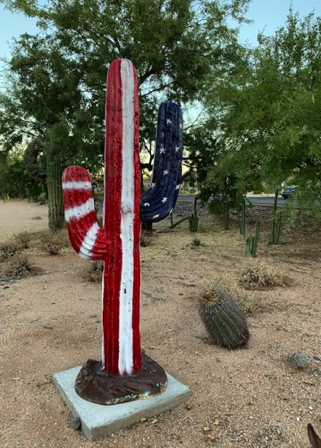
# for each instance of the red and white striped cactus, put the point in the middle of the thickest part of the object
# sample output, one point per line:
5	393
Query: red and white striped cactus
117	244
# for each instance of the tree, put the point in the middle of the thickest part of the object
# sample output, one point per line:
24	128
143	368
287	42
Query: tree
15	180
269	113
59	74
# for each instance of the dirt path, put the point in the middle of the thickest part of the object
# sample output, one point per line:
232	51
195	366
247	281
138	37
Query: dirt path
19	214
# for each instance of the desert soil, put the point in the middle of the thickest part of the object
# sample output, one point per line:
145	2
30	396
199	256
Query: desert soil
253	397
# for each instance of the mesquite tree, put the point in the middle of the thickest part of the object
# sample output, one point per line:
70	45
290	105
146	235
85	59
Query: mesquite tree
57	74
117	243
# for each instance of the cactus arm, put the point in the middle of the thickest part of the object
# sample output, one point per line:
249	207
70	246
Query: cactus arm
158	202
87	239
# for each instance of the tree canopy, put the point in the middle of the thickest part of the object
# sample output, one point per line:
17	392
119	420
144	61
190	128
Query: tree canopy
174	45
267	116
57	88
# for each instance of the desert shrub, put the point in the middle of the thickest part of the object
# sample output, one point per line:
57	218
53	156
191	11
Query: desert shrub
8	249
196	242
18	265
95	271
261	275
52	242
23	239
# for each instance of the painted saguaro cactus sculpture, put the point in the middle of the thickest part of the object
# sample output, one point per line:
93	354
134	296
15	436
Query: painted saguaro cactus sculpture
124	372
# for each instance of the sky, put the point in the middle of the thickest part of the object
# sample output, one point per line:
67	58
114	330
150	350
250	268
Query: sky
267	16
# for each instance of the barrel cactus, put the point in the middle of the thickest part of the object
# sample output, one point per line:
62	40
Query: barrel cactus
223	318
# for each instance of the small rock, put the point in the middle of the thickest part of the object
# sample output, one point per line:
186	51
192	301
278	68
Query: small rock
299	360
48	326
75	423
36	218
317	358
93	315
5	287
98	321
1	295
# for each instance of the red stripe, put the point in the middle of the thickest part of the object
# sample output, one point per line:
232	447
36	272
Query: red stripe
75	173
78	228
137	228
74	198
113	172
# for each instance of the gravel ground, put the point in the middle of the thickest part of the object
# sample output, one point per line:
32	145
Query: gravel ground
254	397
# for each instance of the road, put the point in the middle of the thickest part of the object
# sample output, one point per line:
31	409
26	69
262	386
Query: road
265	201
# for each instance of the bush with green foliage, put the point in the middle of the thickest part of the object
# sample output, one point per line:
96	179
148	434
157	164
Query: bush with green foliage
15	181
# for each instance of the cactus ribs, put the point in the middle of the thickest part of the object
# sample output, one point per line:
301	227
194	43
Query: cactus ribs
117	244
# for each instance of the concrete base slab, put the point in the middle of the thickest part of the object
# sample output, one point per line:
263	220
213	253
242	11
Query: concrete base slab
98	420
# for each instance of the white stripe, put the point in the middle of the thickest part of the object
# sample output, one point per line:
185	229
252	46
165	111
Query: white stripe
125	363
80	210
89	241
73	185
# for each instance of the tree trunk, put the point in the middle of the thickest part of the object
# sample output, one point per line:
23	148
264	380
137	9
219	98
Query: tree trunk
55	199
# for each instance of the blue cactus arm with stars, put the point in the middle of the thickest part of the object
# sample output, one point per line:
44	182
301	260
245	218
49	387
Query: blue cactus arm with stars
158	202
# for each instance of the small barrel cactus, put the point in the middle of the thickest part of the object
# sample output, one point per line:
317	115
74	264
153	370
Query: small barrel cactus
223	318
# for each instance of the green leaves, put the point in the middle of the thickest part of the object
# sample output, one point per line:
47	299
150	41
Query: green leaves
269	113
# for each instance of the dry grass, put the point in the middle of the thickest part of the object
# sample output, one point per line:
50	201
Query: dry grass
12	250
261	275
8	249
23	239
51	242
95	271
18	265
